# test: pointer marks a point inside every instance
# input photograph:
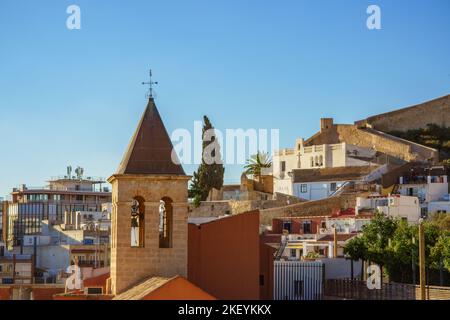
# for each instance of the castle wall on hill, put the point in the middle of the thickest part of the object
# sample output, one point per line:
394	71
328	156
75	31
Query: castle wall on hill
436	111
315	207
370	138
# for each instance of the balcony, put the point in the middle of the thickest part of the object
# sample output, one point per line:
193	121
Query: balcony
413	180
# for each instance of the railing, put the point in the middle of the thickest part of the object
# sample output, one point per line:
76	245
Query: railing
282	152
358	290
89	178
280	250
53	188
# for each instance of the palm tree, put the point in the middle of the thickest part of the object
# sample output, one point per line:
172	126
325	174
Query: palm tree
256	163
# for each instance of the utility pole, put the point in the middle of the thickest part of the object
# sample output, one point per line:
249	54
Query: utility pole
413	262
422	260
335	249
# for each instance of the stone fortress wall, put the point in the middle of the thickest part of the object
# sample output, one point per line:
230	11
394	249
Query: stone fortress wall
435	111
368	137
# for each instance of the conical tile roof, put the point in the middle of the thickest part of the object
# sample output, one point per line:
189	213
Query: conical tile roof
150	149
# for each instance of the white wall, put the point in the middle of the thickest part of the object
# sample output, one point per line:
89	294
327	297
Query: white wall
395	206
340	268
53	258
442	206
283	186
347	225
290	158
436	191
316	190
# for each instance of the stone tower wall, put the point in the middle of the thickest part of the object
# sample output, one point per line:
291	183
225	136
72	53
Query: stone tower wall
130	265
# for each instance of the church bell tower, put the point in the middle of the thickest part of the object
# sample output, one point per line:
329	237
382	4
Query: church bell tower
150	208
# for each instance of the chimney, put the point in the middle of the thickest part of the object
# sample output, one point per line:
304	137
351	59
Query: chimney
77	220
325	124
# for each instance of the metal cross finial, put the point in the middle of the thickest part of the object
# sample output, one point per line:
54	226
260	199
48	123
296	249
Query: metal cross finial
150	85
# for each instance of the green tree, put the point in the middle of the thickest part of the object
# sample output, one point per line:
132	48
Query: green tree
256	163
440	252
208	175
402	252
442	220
377	236
356	249
195	191
393	244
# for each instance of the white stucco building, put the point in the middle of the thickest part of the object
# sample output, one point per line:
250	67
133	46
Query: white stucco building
440	206
302	157
320	183
429	185
396	206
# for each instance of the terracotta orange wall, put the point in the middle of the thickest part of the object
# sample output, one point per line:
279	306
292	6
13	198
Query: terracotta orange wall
296	224
46	293
98	281
179	289
5	293
83	297
223	256
266	264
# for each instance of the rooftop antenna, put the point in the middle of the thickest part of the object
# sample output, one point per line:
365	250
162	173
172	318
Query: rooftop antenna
150	85
79	172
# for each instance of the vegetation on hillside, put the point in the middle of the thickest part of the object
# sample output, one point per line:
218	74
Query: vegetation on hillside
434	136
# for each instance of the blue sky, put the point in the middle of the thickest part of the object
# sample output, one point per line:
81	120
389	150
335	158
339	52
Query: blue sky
74	96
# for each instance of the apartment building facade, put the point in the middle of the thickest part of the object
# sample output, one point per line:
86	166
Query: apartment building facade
30	205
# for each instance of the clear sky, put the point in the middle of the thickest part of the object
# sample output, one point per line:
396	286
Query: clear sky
75	96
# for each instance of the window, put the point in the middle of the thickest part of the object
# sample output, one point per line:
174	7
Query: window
303	188
333	186
137	222
283	166
298	288
79	198
312	162
323	225
94	290
293	253
321	160
77	187
287	226
165	223
307	227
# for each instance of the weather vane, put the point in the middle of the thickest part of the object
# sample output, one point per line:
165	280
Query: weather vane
150	85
